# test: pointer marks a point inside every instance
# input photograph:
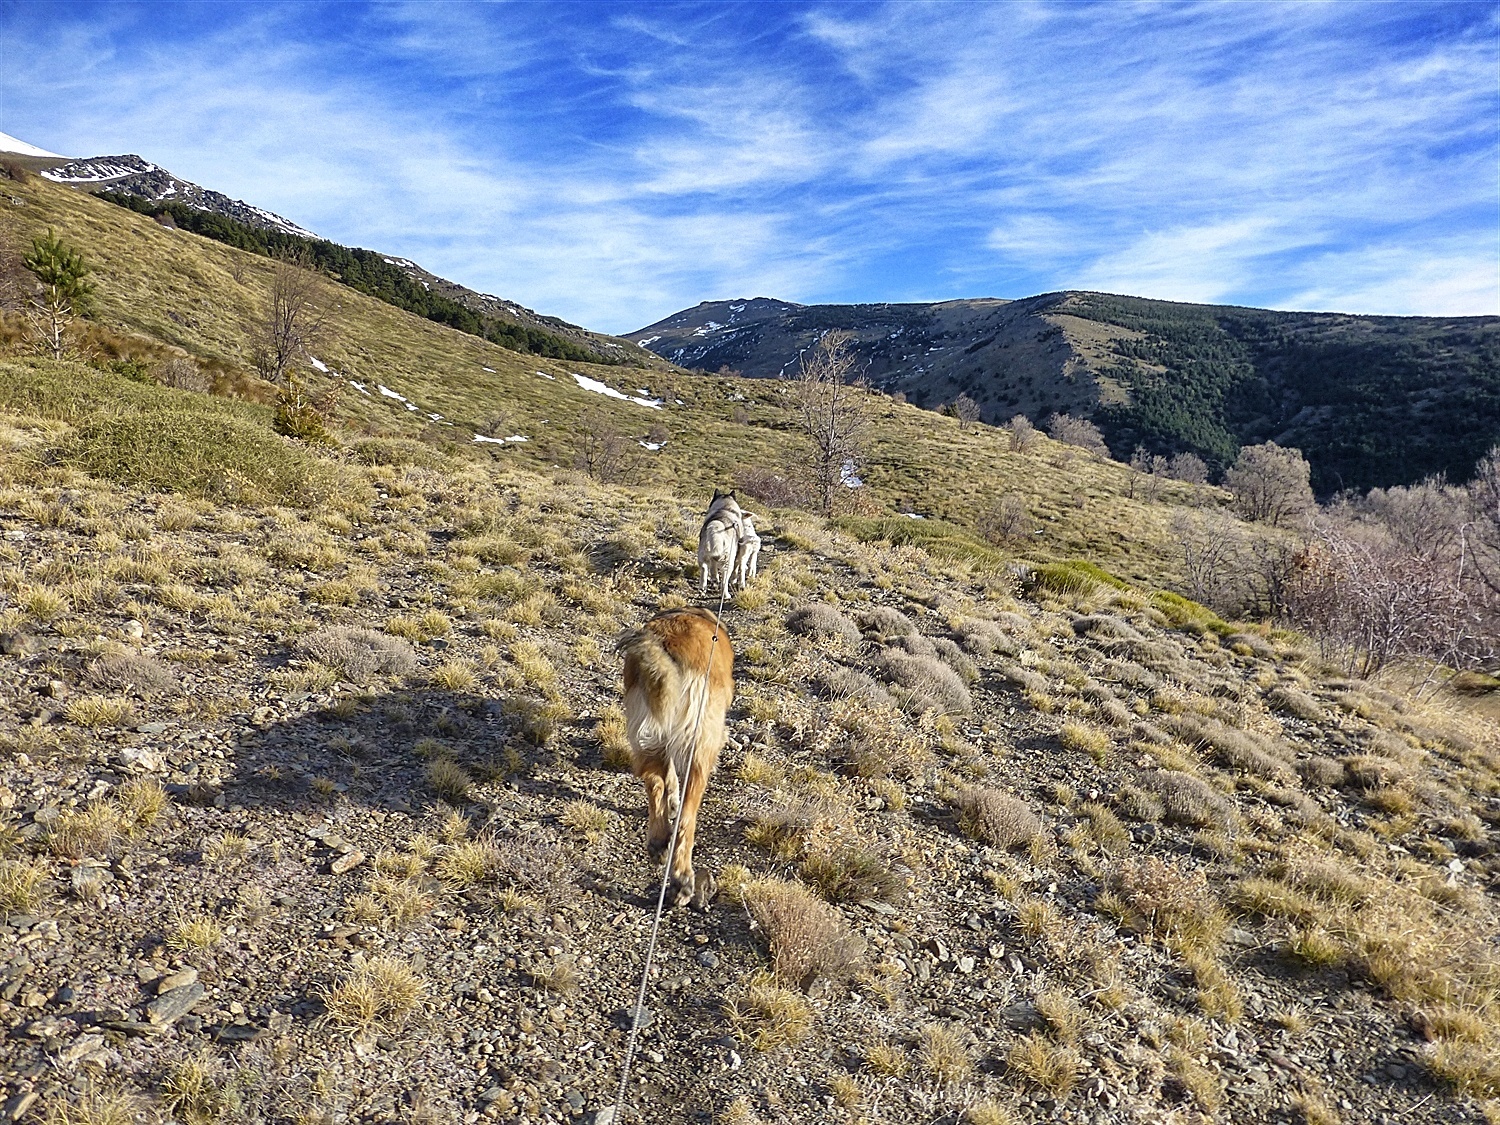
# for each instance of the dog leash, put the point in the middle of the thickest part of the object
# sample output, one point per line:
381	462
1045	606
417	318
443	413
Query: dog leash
666	875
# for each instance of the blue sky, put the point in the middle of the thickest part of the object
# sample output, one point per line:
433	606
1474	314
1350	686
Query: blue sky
612	163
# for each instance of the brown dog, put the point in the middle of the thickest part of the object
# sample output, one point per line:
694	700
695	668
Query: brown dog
676	671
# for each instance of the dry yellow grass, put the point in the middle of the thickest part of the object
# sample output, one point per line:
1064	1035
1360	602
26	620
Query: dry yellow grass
767	1015
379	994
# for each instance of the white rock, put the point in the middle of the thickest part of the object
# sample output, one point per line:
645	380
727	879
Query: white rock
141	758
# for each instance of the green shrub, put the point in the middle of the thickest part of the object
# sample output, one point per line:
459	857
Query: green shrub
1073	576
222	458
1184	613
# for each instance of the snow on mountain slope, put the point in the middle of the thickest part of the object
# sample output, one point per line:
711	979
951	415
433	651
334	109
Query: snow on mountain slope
134	175
21	148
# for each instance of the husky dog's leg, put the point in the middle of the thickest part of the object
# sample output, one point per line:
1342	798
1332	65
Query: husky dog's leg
702	573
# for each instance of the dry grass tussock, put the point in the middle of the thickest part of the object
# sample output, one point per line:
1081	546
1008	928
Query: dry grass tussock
359	655
1176	905
996	817
767	1015
806	938
381	993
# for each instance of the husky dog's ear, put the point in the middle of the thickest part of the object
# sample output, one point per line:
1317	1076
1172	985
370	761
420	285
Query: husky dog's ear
718	495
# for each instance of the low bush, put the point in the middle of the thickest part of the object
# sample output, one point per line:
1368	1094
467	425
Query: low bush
806	938
928	683
995	817
126	671
1186	800
819	619
358	655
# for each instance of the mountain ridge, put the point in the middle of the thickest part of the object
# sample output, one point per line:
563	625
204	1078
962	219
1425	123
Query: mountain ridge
1372	400
133	180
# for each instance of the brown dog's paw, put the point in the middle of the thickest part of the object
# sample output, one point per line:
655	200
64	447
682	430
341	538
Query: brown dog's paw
706	891
681	890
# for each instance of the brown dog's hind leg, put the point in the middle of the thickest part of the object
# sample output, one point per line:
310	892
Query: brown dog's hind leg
653	774
687	885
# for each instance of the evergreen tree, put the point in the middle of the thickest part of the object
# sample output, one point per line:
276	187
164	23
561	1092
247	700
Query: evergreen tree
65	291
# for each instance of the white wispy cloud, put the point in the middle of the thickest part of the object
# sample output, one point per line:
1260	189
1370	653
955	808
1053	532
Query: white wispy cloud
613	169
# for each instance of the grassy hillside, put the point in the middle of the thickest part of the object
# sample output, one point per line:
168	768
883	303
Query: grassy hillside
176	289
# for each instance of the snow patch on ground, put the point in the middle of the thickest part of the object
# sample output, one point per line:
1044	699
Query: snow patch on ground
544	375
654	446
360	387
499	440
849	477
913	516
318	363
648	341
604	389
491	370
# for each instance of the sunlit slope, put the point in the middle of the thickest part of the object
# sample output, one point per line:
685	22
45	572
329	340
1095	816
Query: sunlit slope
205	298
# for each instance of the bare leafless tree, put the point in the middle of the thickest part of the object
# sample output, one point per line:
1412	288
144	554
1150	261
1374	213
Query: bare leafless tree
293	321
1079	432
1022	433
1188	467
1006	521
1152	468
834	412
966	410
1270	484
1371	601
1484	519
601	450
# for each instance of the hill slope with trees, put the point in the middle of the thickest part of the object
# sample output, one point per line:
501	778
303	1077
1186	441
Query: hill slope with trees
1372	401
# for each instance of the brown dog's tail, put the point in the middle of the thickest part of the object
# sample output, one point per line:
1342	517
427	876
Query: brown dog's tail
672	665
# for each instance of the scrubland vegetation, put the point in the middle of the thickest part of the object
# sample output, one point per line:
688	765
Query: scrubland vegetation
312	804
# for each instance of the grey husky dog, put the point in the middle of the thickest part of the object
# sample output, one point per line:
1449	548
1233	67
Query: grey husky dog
747	561
719	541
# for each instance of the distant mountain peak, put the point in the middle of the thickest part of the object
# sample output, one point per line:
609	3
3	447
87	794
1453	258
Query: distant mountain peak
130	174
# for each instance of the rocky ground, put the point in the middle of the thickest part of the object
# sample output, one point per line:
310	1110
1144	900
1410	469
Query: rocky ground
319	816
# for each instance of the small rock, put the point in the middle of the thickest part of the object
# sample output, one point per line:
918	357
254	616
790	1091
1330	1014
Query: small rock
966	964
134	629
56	689
142	758
177	980
623	1017
83	1045
15	644
152	728
605	1116
347	862
708	958
17	1107
174	1004
238	1033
